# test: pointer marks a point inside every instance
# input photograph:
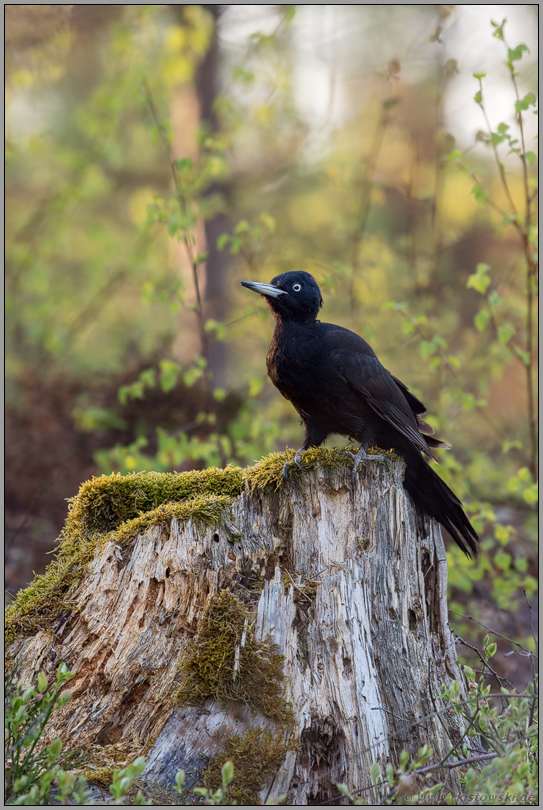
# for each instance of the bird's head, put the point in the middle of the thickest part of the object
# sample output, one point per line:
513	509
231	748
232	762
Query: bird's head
292	296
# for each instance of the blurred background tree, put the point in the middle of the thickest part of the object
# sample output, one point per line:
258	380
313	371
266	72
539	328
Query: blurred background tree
157	155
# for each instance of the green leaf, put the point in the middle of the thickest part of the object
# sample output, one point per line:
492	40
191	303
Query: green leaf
523	355
479	280
222	241
478	97
524	103
503	560
268	221
498	33
494	299
227	773
241	227
479	76
427	349
505	333
42	682
479	193
530	157
290	13
168	375
481	319
184	164
514	54
491	650
55	748
200	258
496	138
375	772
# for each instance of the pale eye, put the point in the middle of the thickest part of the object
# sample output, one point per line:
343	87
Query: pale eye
296	287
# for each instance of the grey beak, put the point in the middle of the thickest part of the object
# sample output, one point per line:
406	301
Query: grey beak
264	289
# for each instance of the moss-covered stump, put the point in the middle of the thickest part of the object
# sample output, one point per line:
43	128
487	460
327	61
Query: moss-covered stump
298	629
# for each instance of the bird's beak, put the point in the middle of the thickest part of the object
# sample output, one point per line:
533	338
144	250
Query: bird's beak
264	289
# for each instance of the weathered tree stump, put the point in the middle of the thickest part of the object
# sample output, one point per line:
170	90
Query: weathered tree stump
343	576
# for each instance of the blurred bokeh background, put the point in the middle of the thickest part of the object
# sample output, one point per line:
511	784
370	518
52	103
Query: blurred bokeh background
156	155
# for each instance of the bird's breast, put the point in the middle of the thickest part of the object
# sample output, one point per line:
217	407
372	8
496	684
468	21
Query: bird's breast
296	368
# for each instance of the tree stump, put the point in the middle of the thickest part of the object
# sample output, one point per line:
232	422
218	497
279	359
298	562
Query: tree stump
179	625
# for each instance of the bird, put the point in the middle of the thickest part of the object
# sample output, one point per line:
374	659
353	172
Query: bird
337	385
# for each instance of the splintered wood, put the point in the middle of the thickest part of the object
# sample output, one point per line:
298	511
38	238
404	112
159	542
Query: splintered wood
344	576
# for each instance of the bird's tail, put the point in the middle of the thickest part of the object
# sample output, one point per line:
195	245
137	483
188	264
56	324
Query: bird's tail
435	498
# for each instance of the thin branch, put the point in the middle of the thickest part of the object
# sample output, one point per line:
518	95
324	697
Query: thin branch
505	638
501	167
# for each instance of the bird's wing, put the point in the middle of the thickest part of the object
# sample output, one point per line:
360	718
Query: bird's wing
387	396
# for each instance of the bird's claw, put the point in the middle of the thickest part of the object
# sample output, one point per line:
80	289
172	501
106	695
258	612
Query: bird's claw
362	456
296	460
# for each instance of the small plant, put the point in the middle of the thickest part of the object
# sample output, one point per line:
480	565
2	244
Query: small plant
30	768
217	797
34	771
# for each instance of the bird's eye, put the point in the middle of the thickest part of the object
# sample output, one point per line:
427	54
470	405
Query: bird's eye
296	287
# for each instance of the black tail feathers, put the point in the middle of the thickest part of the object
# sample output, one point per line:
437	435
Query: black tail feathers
435	498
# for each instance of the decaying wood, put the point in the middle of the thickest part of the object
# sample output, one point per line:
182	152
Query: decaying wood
354	595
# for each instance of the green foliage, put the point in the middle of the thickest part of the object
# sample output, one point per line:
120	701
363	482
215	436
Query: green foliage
31	768
35	771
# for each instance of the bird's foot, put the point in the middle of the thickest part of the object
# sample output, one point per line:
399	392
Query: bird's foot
362	456
296	460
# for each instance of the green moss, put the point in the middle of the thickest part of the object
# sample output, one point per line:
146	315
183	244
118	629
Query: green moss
104	503
268	473
207	511
256	756
226	662
103	777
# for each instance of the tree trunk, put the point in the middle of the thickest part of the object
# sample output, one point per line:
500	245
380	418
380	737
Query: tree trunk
343	575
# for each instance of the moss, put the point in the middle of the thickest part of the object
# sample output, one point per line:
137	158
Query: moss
207	511
226	662
268	473
256	756
103	777
104	503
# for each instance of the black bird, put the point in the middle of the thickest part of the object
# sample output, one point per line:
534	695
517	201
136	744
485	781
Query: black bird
336	383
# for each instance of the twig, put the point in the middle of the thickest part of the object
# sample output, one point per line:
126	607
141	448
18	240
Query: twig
484	662
505	638
298	588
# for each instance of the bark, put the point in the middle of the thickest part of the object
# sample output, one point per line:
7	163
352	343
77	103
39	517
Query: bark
353	592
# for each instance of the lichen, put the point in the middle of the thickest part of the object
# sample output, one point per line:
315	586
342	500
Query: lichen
226	662
256	756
